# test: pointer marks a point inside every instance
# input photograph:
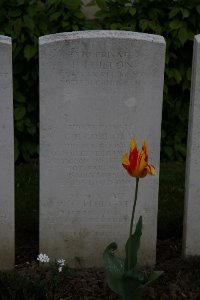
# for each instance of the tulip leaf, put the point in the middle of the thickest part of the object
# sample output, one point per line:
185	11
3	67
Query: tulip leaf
132	289
114	269
132	246
153	277
134	273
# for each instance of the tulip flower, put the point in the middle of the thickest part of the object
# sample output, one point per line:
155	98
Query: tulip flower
136	163
123	276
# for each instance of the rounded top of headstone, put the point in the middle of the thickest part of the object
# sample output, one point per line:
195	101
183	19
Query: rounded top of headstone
75	35
5	39
197	38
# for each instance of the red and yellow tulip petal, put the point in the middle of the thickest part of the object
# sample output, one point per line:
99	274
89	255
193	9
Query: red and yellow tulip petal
150	169
125	159
133	145
136	163
133	158
145	149
126	163
141	162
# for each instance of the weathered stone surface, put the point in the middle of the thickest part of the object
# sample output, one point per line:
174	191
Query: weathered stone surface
97	90
6	156
191	244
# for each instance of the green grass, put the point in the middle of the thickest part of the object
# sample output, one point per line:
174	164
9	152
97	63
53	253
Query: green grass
171	198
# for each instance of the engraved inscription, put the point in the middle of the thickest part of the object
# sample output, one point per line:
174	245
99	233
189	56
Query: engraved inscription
91	153
102	67
3	219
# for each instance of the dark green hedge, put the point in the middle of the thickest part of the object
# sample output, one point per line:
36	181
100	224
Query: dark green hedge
178	21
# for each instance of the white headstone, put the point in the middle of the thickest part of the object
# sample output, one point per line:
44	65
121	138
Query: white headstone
191	243
6	156
98	89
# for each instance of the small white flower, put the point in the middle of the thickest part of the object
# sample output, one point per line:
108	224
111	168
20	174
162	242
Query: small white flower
60	269
61	262
43	258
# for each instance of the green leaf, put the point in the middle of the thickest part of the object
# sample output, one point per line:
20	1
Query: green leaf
153	277
31	106
132	11
32	130
174	12
65	24
175	24
19	112
144	24
113	263
198	8
28	149
29	52
180	148
28	122
183	35
102	4
75	27
114	26
114	268
79	15
168	151
19	97
19	125
55	16
132	247
185	12
72	4
101	14
28	21
174	73
132	289
177	75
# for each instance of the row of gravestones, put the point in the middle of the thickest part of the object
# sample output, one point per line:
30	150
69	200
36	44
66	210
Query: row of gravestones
98	89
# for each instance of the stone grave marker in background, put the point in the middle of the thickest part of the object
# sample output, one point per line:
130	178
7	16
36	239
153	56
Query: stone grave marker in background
6	156
191	244
98	89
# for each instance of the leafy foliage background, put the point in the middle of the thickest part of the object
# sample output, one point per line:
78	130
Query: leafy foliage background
178	21
25	21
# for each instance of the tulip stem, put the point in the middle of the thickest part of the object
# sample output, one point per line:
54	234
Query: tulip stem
134	205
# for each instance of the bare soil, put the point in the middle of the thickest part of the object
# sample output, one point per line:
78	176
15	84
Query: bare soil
181	279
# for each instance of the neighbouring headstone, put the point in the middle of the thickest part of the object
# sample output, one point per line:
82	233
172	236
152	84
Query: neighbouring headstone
6	156
98	89
191	241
